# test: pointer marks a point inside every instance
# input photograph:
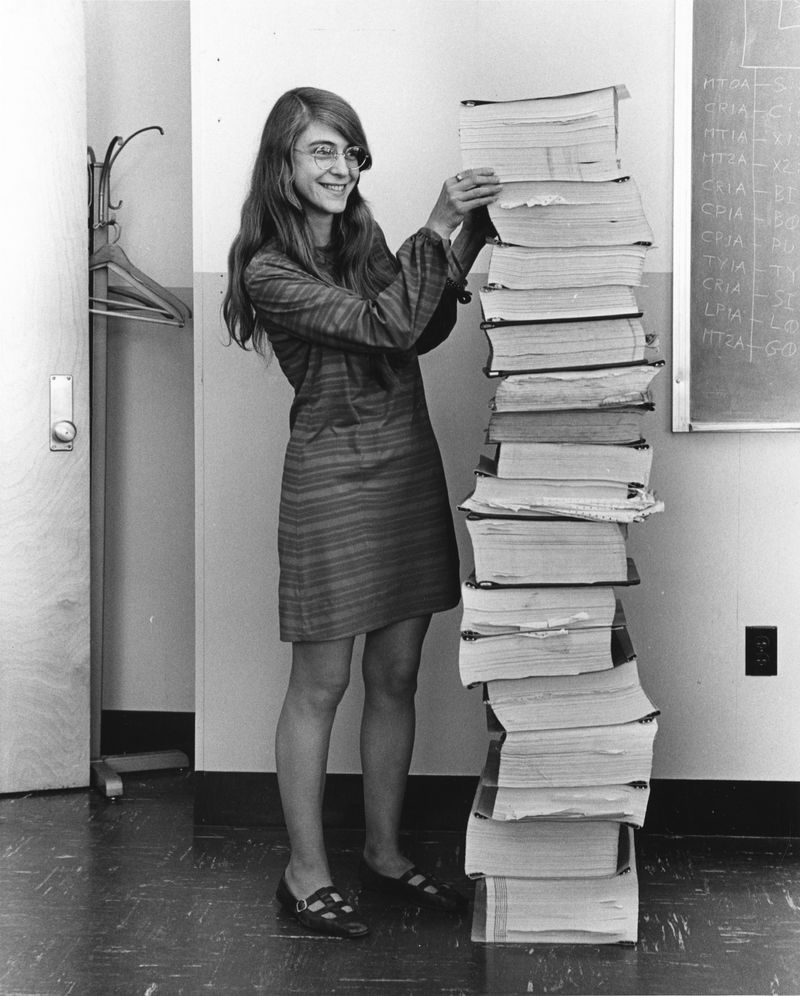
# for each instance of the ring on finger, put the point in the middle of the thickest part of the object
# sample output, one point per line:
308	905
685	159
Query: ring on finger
459	177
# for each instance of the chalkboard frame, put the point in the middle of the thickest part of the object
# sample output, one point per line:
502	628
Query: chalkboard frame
682	418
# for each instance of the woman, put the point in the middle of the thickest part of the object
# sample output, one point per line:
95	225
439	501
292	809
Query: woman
366	541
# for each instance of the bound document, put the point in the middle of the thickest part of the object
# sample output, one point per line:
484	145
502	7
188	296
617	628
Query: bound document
515	551
560	215
599	755
557	303
600	698
527	347
614	424
494	611
511	909
565	389
567	137
523	268
567	651
624	803
541	849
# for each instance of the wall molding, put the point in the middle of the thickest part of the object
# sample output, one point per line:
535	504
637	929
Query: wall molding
441	802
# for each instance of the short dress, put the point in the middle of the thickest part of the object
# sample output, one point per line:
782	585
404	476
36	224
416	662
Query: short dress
365	533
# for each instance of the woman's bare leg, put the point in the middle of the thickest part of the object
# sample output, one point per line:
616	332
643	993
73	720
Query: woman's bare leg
390	665
319	677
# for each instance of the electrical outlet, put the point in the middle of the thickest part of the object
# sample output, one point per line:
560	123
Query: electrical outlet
760	650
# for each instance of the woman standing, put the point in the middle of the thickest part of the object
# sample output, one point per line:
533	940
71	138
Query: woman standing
366	540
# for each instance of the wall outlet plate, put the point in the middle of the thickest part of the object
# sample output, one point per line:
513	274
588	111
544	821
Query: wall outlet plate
760	650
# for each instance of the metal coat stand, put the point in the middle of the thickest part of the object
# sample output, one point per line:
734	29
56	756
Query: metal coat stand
140	299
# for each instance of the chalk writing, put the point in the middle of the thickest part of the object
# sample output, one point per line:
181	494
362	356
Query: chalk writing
756	286
744	301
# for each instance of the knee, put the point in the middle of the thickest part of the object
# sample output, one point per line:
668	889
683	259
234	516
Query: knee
320	675
323	696
320	696
394	682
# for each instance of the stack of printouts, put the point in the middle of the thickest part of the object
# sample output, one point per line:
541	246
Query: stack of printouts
550	836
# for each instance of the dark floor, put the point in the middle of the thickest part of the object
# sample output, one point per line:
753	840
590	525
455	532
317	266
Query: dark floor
127	897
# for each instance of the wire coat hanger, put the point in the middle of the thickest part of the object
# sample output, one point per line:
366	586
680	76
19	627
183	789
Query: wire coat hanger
139	285
143	298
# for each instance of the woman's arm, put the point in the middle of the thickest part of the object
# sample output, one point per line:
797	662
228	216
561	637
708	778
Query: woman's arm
462	198
476	228
478	188
441	324
289	299
474	233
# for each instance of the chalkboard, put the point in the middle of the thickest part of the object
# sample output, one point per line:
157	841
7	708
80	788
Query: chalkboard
737	196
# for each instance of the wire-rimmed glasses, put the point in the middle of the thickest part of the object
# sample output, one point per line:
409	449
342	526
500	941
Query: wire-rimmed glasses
325	156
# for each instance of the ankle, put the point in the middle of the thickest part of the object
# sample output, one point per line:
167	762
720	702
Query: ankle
386	860
304	880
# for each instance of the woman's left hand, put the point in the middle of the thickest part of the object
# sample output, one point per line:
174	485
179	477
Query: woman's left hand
478	223
461	195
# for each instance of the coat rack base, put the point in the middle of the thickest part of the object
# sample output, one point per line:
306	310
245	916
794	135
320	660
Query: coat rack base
107	771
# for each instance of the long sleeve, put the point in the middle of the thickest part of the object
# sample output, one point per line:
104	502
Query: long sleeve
441	324
463	251
288	299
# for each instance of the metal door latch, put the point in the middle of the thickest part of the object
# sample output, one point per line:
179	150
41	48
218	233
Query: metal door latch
62	428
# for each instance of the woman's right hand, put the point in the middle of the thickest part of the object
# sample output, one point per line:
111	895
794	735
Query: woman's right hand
460	195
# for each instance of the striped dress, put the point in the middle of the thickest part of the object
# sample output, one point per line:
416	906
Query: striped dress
365	533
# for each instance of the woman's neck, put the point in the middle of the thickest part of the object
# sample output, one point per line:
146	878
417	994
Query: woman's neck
321	228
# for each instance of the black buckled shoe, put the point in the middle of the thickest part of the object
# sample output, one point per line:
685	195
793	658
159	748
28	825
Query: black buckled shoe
415	886
324	911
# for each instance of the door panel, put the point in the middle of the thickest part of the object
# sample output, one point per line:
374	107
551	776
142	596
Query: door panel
44	493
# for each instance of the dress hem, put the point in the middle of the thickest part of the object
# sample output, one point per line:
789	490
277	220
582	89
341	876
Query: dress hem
349	631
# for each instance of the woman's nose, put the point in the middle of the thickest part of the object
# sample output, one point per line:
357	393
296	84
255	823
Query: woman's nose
339	167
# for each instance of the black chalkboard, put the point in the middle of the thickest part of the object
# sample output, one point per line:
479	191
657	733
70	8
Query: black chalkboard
744	273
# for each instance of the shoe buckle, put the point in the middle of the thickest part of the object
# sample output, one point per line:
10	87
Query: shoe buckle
301	905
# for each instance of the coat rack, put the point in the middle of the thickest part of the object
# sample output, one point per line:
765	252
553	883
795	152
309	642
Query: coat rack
134	296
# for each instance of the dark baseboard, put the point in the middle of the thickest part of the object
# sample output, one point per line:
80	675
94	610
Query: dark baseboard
442	802
140	732
433	802
724	808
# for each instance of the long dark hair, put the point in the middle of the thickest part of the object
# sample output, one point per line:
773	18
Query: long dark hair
272	210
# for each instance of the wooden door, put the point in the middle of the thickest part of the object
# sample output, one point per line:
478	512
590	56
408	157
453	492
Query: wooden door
44	492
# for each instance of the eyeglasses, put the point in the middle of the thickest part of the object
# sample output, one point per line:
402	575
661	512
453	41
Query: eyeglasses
325	156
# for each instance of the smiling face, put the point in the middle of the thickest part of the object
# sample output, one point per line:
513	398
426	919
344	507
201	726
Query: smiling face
324	192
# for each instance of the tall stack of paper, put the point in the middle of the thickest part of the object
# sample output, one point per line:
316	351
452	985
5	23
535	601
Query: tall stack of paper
567	773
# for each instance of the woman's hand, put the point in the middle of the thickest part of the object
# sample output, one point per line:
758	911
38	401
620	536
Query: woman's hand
461	195
478	224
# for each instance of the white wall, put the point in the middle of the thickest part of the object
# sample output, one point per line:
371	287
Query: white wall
405	67
138	74
137	54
